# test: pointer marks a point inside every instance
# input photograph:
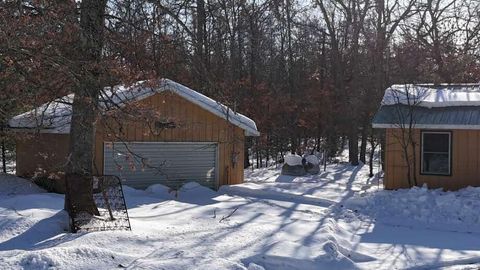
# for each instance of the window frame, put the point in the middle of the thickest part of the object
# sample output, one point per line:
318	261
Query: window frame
450	152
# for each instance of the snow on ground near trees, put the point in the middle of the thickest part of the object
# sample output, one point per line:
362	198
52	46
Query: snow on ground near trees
338	219
13	185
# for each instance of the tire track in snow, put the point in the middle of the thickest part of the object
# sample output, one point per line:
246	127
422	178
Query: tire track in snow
439	265
276	194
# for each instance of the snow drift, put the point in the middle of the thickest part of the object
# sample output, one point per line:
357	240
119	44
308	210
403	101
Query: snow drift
436	208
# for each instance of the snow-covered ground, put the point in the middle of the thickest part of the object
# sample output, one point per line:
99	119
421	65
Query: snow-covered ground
339	219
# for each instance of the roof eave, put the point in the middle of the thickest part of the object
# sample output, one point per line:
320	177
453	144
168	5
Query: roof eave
252	133
426	126
37	130
243	122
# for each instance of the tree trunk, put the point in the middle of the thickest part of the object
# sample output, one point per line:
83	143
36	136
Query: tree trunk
342	144
246	158
409	165
79	175
293	146
331	144
414	158
267	156
363	147
289	47
260	159
258	155
382	150
4	157
353	148
371	157
200	43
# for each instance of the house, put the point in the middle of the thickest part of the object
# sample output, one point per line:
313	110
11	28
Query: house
198	139
433	132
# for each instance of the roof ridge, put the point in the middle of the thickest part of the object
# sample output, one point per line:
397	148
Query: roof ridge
435	84
125	94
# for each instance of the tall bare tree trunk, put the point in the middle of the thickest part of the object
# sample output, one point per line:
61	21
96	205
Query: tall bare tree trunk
373	146
289	46
200	58
4	157
363	146
79	194
353	147
246	156
257	154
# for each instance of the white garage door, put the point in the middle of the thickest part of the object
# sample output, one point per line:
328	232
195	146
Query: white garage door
141	164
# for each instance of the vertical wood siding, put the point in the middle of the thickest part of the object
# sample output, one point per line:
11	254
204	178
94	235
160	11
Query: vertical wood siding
49	151
193	124
41	153
465	162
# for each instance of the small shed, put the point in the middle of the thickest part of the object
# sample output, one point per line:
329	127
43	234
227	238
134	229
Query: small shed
436	128
198	139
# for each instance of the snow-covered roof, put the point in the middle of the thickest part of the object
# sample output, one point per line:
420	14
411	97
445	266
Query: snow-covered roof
433	95
439	106
55	116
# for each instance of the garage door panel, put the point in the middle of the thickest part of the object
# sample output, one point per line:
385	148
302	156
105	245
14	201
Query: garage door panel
165	163
170	164
159	157
167	147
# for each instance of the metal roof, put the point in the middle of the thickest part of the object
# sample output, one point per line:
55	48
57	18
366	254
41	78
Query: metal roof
397	116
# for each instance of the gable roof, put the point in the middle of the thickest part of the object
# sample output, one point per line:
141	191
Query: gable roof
441	106
55	116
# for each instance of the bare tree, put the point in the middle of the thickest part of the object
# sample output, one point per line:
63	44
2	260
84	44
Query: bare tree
406	100
344	21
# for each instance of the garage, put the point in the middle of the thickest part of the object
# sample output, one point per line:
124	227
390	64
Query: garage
191	138
141	164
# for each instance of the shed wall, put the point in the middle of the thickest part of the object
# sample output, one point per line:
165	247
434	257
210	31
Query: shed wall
49	151
42	155
465	169
193	124
41	152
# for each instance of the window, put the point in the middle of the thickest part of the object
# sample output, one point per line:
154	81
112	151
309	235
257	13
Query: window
436	153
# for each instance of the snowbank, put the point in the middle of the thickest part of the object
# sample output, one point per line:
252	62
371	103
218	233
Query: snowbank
13	185
195	193
293	160
187	260
285	255
190	192
160	191
434	207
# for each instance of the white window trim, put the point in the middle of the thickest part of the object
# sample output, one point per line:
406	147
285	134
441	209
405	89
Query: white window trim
449	133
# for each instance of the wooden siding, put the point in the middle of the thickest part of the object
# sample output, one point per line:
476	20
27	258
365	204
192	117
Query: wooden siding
48	152
193	123
43	155
465	170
